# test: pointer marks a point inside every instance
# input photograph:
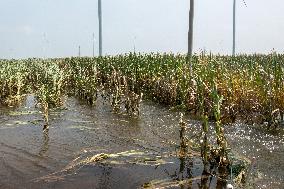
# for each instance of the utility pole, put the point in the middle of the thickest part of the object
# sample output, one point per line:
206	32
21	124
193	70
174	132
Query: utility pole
234	28
134	46
93	45
44	45
100	27
190	34
79	51
190	29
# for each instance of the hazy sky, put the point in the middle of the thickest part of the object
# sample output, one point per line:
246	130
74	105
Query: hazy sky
55	28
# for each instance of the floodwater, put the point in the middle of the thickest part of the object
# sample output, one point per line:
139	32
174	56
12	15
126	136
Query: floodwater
91	147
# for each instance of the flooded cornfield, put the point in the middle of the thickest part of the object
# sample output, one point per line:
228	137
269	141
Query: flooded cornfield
92	147
122	96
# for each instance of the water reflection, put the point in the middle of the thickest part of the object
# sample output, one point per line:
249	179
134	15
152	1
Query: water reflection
193	172
155	131
105	178
45	143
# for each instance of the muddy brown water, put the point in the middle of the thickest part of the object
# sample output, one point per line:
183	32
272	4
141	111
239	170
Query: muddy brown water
141	151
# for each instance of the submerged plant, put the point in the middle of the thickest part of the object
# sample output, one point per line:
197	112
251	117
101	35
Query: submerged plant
222	151
251	85
204	143
183	140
